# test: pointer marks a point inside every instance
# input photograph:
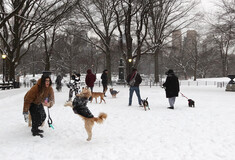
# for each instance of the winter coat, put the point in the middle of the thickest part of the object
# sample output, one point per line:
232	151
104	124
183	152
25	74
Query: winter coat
58	80
79	107
33	96
104	78
90	78
138	78
172	86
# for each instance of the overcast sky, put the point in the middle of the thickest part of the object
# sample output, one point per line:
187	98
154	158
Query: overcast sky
208	6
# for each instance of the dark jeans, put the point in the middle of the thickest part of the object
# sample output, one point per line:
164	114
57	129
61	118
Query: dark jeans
38	115
105	87
91	88
137	91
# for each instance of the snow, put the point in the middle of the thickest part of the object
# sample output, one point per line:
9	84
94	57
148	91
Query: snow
129	133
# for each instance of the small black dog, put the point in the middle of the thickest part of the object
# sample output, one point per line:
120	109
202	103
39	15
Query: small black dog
191	103
145	103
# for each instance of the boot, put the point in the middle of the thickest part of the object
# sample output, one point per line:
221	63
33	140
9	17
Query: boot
37	132
40	131
170	107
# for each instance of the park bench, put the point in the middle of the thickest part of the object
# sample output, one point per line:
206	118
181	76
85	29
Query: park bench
6	85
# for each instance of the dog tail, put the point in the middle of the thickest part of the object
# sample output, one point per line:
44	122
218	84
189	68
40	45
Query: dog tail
100	118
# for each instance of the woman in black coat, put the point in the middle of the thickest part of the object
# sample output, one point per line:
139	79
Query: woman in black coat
172	87
104	78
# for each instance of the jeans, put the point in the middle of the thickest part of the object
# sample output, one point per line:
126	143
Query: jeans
171	101
91	88
137	91
105	87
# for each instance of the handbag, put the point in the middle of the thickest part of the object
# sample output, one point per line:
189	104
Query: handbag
132	81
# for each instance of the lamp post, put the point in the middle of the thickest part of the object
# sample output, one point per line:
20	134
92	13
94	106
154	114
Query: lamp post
129	65
4	56
121	72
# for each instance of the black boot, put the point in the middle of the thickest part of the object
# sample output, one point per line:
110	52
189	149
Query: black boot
170	107
36	132
40	131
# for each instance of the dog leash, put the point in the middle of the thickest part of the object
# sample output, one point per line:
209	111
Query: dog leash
49	121
183	95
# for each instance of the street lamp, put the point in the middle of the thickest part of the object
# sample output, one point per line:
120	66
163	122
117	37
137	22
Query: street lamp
121	72
130	60
4	56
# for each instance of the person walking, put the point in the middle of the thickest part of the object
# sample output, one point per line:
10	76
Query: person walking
41	94
171	87
58	83
90	79
134	80
74	85
104	78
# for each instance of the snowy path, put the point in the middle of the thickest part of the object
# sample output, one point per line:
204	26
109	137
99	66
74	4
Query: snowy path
204	132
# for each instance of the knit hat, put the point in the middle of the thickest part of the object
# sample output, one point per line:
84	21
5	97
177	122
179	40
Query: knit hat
170	71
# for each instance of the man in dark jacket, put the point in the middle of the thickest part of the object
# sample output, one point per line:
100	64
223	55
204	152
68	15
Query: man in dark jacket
90	79
172	87
104	78
134	79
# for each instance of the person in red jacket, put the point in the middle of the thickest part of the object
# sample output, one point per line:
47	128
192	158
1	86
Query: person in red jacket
90	79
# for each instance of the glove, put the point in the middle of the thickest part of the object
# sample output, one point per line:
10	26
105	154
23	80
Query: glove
50	104
26	116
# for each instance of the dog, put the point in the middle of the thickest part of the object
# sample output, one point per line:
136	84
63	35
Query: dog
145	103
96	95
79	107
113	92
191	103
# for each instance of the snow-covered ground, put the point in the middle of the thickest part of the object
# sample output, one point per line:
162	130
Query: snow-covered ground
206	132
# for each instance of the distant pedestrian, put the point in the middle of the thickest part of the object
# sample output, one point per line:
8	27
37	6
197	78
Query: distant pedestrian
134	79
90	79
58	83
74	85
104	78
172	87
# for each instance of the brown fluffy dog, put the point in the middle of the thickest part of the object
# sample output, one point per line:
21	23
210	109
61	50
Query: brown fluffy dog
89	122
96	95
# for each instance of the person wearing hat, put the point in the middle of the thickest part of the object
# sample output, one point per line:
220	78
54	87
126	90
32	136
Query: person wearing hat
41	94
171	87
134	79
104	78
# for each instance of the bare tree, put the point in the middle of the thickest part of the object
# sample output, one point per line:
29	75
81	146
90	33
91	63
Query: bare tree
132	21
167	16
72	52
27	24
4	16
49	46
99	15
224	32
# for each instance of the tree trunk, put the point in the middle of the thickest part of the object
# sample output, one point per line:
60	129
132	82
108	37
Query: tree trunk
11	71
108	63
47	61
156	65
